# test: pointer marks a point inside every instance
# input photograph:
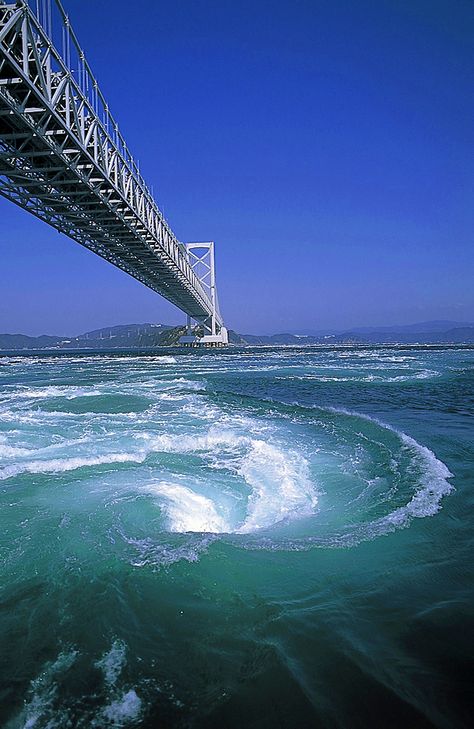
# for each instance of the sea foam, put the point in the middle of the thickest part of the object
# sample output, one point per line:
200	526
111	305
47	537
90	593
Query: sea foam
188	511
59	465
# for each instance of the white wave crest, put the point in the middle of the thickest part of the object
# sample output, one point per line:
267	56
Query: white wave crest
122	711
70	392
216	436
279	482
164	359
281	486
59	465
432	485
44	693
188	511
7	451
113	662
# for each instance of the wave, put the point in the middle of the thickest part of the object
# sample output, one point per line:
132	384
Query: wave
112	663
188	511
38	416
48	705
41	705
252	469
7	451
121	711
63	359
423	375
430	488
148	552
433	484
71	392
60	465
281	488
164	360
216	436
278	482
67	391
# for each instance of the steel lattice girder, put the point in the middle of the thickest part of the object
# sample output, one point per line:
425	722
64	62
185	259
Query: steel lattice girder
59	162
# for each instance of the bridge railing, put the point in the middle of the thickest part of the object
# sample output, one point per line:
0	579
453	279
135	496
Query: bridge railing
55	21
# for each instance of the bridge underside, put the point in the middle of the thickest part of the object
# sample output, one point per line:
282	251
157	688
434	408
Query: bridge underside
60	161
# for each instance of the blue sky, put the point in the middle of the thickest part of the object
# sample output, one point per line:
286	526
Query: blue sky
326	146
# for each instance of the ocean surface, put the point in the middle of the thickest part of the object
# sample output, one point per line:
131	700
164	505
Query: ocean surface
242	538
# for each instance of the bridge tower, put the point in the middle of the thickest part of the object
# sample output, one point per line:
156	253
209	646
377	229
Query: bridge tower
201	257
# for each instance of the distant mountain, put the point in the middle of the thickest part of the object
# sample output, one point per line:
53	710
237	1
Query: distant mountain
124	330
129	336
437	325
455	335
149	336
460	335
122	336
425	326
296	339
22	341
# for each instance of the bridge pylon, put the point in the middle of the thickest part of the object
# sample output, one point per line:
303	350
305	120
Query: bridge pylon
201	258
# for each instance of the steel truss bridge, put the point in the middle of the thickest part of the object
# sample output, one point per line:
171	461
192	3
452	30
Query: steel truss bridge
63	158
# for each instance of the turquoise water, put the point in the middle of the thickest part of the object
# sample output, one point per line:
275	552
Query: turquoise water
240	538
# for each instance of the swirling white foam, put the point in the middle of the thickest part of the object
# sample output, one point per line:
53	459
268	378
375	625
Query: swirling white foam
432	486
279	485
188	511
277	479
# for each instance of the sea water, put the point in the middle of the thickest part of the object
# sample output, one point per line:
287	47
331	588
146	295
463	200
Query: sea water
237	538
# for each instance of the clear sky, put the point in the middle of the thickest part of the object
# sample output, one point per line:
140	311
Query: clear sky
325	145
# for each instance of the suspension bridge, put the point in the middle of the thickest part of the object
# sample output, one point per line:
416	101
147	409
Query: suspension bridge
63	159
